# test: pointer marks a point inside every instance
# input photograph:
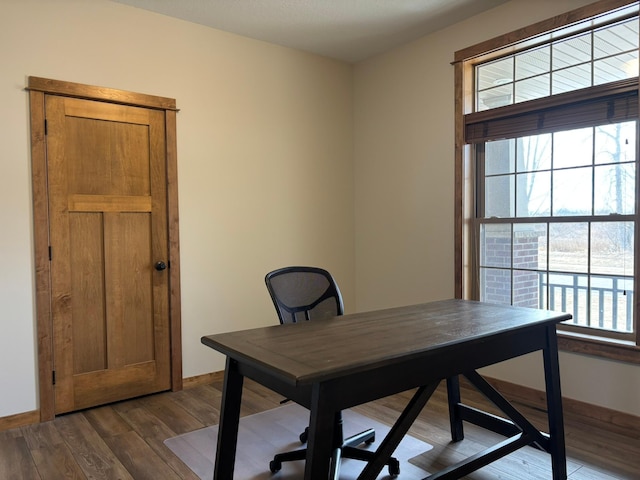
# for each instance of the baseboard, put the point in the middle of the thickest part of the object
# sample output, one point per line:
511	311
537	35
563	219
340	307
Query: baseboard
203	379
19	420
589	412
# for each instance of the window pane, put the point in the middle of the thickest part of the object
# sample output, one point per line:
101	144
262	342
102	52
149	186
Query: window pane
495	245
526	289
495	97
572	192
614	189
611	303
532	88
615	143
571	79
612	248
499	200
534	153
529	242
533	194
615	68
572	51
533	62
568	247
616	39
568	293
495	285
573	148
495	73
499	157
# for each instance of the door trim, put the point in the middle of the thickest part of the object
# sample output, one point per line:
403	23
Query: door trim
37	88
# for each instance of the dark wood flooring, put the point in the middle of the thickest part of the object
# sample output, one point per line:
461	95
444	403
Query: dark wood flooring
125	440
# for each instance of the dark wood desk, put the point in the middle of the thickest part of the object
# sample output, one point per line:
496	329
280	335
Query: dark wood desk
335	364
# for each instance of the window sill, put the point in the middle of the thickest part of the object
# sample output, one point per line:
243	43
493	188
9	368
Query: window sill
620	350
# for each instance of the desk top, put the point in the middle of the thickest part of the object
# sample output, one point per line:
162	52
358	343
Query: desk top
309	352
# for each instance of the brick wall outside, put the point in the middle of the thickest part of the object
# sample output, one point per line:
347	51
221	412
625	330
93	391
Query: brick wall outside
497	282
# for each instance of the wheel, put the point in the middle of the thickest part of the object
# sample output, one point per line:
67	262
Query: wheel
394	467
304	436
275	466
371	440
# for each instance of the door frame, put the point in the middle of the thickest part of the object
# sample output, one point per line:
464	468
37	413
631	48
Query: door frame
39	87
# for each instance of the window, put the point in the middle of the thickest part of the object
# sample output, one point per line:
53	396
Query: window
547	173
556	223
596	57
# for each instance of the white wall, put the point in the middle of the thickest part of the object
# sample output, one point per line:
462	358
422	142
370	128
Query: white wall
265	147
404	194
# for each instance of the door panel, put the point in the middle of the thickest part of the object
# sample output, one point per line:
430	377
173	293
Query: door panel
129	300
87	285
108	227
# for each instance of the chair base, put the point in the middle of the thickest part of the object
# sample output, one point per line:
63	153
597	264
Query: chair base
346	450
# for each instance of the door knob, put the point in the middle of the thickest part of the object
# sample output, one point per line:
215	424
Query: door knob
159	266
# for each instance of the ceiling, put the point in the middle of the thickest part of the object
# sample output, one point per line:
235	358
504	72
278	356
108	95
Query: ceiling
348	30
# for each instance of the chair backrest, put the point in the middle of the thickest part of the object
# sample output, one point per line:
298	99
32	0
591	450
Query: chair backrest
304	293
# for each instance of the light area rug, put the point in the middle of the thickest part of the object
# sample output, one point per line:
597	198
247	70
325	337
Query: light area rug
262	435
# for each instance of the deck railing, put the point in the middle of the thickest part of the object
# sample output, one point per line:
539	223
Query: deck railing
610	296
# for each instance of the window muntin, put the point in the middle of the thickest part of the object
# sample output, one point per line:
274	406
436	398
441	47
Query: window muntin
600	56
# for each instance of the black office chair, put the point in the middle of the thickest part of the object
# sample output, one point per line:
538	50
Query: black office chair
309	293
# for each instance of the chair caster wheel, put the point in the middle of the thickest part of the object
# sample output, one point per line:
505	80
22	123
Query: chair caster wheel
394	467
370	440
304	436
275	466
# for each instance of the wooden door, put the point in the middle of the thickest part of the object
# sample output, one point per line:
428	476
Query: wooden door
107	189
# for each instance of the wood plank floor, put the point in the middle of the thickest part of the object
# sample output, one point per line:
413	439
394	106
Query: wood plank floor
125	440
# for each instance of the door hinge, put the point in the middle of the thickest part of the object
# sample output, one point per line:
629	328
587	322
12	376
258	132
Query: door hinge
46	129
49	252
53	377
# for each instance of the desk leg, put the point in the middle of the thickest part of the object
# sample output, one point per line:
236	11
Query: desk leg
229	420
398	431
554	406
455	418
319	446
